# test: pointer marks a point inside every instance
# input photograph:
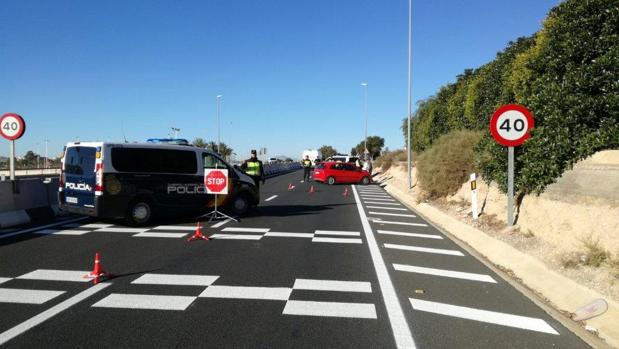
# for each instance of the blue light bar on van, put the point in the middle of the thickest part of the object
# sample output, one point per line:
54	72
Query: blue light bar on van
178	141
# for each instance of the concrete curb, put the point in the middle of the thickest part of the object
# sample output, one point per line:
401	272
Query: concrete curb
562	292
17	217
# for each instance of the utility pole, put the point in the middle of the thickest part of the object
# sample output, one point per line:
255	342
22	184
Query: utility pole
409	155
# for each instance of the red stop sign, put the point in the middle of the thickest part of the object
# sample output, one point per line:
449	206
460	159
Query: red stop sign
216	181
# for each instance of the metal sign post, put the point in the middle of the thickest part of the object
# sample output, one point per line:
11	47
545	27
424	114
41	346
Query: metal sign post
510	186
12	159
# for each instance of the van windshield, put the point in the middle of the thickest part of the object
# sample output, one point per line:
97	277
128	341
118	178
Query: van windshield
79	160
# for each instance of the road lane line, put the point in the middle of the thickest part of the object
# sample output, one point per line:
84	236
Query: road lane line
288	235
51	312
401	332
159	235
247	230
331	309
43	227
62	232
445	273
503	319
337	240
332	285
176	279
235	237
25	296
382	203
56	275
392	214
175	227
412	235
122	230
144	301
377	199
380	221
271	198
387	208
3	280
424	249
247	292
97	225
219	224
337	232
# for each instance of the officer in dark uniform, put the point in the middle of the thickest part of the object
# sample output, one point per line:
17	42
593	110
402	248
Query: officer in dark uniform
253	167
307	167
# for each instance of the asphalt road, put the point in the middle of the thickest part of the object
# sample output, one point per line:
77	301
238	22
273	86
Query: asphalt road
307	270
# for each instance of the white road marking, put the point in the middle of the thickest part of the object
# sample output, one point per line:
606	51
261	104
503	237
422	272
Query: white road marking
331	309
3	280
271	198
412	235
337	240
62	232
219	224
159	235
381	203
392	214
236	237
424	249
247	230
24	296
367	195
42	227
380	221
401	332
288	235
71	226
246	292
176	279
51	312
517	321
56	275
337	233
445	273
366	199
123	230
175	227
144	301
97	225
332	285
387	208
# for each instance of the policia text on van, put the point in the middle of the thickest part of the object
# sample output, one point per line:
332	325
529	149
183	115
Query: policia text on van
138	181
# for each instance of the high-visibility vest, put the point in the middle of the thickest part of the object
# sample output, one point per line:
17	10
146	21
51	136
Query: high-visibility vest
307	163
253	168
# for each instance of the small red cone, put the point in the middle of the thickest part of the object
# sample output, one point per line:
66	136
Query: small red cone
312	189
97	272
290	187
198	234
346	192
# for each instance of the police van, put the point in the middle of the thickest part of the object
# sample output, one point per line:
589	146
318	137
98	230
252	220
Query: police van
141	181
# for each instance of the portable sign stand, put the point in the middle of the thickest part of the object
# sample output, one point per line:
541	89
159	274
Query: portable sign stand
12	127
216	182
510	126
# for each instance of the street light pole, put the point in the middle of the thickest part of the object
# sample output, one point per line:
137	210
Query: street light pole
218	98
46	161
365	112
409	155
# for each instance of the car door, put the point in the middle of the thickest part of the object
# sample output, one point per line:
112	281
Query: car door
351	173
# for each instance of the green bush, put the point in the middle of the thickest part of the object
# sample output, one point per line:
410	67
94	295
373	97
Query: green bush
385	161
447	164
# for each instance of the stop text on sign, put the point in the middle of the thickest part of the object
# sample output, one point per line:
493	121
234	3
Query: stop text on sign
511	124
216	181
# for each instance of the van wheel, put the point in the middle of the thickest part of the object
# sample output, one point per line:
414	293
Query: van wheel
140	212
365	181
331	180
240	204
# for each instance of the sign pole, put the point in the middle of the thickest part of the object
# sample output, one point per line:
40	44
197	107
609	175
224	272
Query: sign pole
510	186
12	160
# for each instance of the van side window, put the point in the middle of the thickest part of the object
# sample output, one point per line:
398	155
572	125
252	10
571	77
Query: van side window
154	160
211	161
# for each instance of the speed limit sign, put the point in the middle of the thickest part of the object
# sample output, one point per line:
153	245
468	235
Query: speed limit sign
510	125
12	126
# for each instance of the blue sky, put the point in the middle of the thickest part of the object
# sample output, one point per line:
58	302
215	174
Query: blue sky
289	71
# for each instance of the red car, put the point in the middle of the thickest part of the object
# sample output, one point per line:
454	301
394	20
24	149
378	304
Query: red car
340	172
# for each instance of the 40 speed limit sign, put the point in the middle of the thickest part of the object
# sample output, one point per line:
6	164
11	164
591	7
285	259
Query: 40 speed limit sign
510	125
12	126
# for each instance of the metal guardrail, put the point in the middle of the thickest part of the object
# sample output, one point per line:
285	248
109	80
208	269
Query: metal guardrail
31	172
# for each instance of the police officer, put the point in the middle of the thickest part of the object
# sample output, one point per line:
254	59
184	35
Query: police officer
253	167
307	166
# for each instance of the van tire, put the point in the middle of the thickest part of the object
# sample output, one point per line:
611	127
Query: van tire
241	204
331	180
365	180
140	212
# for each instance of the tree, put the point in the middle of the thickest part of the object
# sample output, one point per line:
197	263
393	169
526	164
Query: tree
327	151
199	142
353	151
375	146
226	151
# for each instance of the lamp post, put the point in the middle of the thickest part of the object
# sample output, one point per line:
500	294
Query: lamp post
409	156
365	112
46	161
218	99
176	131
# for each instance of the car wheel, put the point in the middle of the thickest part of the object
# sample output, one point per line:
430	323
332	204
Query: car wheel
365	180
331	180
240	204
140	212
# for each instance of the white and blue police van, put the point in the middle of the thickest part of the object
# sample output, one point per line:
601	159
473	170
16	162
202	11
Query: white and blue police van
139	181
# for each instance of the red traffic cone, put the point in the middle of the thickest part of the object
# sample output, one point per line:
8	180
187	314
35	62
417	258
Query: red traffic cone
346	192
97	272
198	234
312	189
290	187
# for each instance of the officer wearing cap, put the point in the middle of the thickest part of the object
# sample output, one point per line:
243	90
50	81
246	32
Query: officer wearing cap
253	167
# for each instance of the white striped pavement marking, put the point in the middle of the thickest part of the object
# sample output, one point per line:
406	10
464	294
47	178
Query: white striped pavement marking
56	275
122	230
380	221
159	235
144	301
366	199
71	226
3	280
97	225
503	319
330	309
176	279
20	232
24	296
51	312
424	249
337	240
175	227
271	198
399	325
387	208
337	233
392	214
288	235
372	196
445	273
219	224
247	230
246	292
236	237
412	235
332	285
62	232
381	203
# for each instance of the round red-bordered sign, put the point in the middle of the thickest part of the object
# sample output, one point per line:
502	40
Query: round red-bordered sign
216	181
12	126
511	124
